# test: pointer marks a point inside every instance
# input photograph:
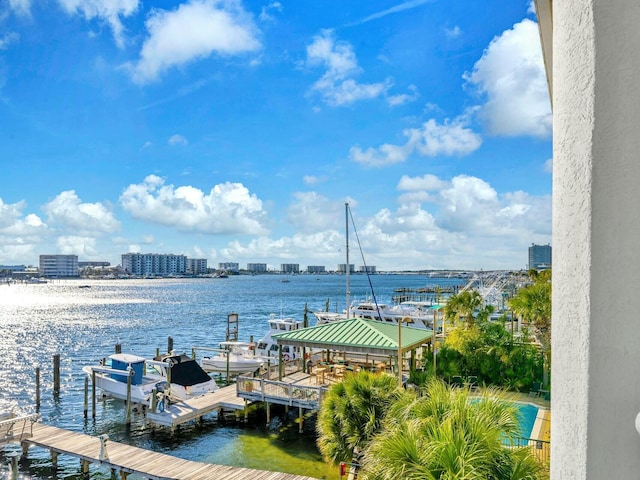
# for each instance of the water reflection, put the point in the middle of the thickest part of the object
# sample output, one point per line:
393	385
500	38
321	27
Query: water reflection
84	324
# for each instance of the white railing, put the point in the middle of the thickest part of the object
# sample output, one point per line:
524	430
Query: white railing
15	428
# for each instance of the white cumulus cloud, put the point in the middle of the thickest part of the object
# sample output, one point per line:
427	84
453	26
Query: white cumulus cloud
426	182
21	7
7	39
337	86
458	223
511	76
310	212
109	11
471	206
402	98
195	30
14	222
228	208
430	140
20	234
177	140
67	212
84	247
265	15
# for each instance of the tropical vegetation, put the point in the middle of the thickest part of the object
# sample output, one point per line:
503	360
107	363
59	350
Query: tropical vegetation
488	351
352	413
438	432
467	306
533	304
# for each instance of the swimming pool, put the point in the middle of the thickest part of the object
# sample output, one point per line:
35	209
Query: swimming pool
527	418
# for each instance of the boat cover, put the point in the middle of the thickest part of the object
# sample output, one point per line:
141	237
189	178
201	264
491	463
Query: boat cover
185	371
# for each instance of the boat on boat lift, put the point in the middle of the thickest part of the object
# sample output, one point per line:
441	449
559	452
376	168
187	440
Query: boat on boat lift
233	358
176	375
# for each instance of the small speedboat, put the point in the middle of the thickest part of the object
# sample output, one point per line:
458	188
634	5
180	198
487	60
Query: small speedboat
185	376
178	376
234	358
112	378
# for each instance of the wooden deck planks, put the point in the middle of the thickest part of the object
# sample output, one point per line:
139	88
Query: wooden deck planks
181	412
152	465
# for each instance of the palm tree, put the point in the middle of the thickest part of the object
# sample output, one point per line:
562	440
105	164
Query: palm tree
533	304
463	305
444	435
352	412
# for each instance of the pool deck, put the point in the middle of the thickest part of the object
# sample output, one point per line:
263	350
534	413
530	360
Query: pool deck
542	426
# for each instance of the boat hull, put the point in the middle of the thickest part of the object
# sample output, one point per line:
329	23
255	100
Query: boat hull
233	366
140	394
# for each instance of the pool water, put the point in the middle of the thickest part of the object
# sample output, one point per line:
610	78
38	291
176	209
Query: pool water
528	414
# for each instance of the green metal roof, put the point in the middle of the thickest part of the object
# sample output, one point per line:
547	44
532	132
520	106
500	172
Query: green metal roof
356	335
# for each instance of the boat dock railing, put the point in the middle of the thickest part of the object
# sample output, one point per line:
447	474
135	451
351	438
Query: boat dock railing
15	428
289	393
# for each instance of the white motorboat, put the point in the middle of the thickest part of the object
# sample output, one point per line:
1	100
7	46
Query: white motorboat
419	313
178	376
185	376
233	358
111	378
372	310
268	348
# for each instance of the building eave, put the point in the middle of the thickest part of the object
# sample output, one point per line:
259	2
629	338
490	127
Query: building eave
544	12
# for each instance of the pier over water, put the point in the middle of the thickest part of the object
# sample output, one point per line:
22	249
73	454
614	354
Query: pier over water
126	459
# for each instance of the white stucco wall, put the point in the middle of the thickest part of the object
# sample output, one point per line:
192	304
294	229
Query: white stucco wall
596	240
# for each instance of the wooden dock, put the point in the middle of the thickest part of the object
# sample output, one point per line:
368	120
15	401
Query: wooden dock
126	459
192	409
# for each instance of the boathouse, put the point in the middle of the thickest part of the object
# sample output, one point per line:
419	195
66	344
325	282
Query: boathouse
359	336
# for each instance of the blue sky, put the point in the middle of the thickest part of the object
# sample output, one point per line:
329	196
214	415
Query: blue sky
236	130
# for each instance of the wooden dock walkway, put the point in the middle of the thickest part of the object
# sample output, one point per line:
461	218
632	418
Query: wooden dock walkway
192	409
127	459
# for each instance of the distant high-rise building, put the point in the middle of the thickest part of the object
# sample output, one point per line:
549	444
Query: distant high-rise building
93	264
367	269
342	268
58	266
257	267
229	267
196	266
13	268
290	267
315	269
156	264
539	257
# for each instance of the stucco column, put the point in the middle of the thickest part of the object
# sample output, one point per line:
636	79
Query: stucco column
596	240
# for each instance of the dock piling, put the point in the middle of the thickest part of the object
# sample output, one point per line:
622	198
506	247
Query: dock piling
37	389
86	396
300	419
93	394
118	348
268	413
169	344
56	373
154	400
129	378
84	468
14	467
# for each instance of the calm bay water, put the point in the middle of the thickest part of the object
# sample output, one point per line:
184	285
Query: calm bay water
84	324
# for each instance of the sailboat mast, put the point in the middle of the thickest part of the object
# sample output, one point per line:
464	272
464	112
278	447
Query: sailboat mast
348	269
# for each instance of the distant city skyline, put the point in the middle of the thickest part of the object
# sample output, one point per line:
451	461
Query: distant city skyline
242	139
